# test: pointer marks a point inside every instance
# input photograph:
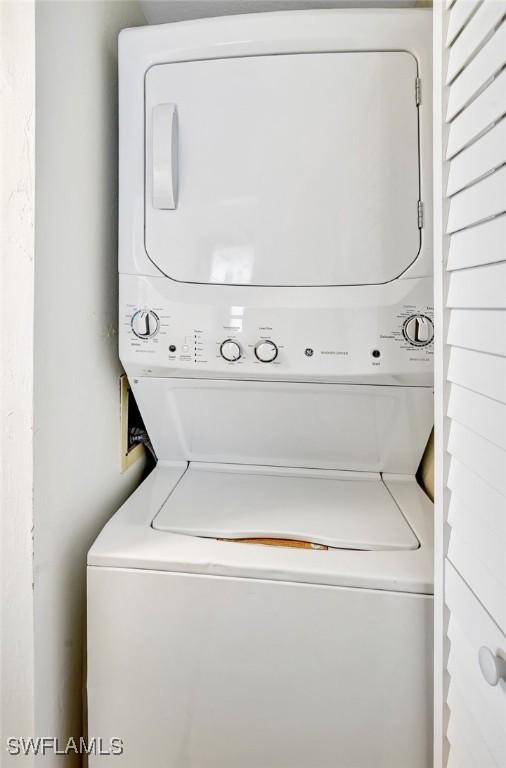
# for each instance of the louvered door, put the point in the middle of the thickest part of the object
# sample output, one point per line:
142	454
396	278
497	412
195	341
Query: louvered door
470	245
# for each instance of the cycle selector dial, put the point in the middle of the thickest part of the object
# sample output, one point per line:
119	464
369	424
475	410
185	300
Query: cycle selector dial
266	351
418	330
145	323
230	350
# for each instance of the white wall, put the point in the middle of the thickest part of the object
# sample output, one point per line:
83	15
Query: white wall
161	11
77	480
17	133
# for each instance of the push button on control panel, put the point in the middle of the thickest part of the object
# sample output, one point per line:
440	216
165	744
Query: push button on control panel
230	350
266	351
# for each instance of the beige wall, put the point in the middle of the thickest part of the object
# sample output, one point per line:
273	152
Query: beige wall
17	173
78	483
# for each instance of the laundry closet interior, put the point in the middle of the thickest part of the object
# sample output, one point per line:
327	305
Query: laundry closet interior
281	535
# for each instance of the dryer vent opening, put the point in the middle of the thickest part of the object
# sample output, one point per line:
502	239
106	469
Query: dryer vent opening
134	438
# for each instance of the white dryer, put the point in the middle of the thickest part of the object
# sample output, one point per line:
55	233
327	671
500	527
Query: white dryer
264	599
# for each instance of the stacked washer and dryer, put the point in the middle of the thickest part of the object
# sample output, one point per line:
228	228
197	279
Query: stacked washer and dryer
264	599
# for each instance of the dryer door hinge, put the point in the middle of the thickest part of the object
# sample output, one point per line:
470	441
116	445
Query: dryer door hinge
418	91
420	214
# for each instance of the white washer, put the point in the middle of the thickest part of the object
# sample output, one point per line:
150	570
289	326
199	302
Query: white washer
264	599
205	652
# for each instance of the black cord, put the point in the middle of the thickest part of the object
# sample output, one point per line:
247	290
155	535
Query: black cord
137	435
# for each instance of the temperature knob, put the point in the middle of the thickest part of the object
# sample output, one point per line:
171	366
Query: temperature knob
230	350
266	351
419	330
145	324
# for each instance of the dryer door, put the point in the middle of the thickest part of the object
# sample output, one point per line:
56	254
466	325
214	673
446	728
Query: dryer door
289	170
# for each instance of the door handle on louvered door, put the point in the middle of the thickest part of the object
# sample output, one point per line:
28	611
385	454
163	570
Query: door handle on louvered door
493	666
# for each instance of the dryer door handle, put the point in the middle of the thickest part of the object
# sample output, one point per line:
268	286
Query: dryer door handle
164	150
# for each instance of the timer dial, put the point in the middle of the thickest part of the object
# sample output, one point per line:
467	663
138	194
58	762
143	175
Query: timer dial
230	350
145	323
418	330
266	351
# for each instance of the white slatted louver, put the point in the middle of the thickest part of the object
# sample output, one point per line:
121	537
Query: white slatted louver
470	244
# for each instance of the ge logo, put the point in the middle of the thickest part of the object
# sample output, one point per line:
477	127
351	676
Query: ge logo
309	352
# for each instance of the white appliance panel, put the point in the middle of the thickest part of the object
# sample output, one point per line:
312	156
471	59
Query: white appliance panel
358	334
330	426
217	672
280	170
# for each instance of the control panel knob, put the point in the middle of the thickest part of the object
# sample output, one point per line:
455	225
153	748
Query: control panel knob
419	330
230	350
266	351
145	323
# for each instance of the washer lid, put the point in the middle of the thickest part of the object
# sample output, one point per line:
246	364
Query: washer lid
345	510
286	170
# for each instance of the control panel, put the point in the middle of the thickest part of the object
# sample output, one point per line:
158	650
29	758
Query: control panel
382	337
